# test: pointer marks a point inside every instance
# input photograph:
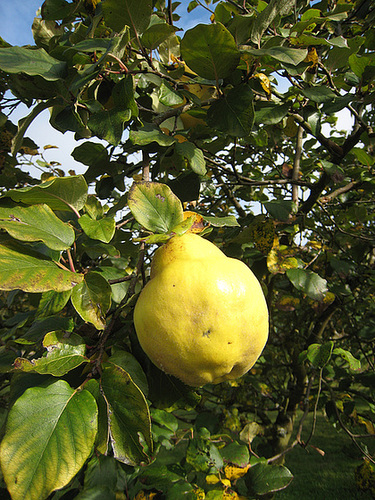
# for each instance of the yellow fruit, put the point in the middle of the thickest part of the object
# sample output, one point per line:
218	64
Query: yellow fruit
202	317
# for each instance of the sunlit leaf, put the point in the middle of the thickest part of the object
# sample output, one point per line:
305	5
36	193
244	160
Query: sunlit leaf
100	229
49	435
52	302
148	134
155	206
92	299
319	354
193	155
354	363
229	221
60	193
64	353
24	269
282	54
31	62
36	223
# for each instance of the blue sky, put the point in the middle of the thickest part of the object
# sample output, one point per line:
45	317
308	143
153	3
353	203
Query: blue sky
17	17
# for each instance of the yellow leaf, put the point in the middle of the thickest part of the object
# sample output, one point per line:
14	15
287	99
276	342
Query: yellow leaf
265	83
198	222
367	423
280	259
291	127
230	495
262	233
232	472
212	479
145	495
312	57
199	494
288	303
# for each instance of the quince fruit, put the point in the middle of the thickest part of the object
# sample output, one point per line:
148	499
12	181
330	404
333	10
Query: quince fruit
202	317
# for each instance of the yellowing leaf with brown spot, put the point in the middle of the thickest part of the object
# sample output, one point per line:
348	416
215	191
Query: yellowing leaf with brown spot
232	472
198	222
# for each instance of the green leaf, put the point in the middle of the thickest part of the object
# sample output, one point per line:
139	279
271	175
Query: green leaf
263	478
268	15
155	206
102	437
49	435
60	193
156	34
32	62
92	299
319	354
165	419
168	96
101	472
101	229
148	134
362	156
133	13
127	362
354	363
271	114
229	221
42	326
308	282
319	94
109	124
7	359
358	64
129	416
282	54
118	290
53	10
186	186
193	155
64	353
52	302
279	209
237	454
210	50
36	223
234	113
101	493
24	269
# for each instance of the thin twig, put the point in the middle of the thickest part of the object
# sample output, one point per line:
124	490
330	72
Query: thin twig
71	263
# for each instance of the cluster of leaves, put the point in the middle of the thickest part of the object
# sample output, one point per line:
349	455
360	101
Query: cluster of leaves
196	121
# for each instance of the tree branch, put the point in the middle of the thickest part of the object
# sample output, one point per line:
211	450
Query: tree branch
329	197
